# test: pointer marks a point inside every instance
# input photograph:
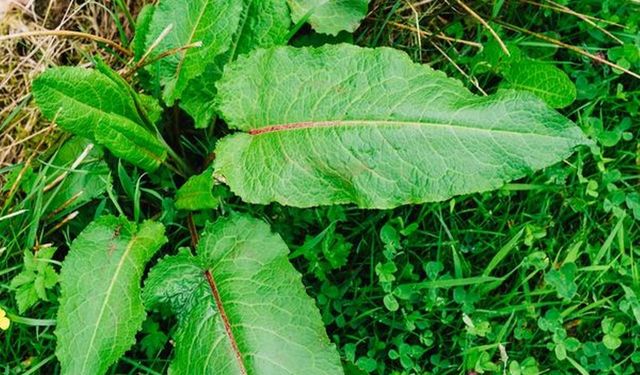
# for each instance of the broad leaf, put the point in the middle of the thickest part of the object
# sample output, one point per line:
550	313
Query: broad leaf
544	80
524	73
330	16
264	23
99	107
226	29
344	124
241	306
101	308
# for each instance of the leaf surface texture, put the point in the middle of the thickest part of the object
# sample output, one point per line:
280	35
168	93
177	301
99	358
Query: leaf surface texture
197	193
273	327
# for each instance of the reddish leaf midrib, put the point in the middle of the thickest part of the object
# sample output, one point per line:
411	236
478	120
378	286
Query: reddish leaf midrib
295	125
342	123
225	321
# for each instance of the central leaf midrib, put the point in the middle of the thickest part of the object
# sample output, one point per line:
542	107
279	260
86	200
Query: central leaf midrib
400	123
225	321
190	39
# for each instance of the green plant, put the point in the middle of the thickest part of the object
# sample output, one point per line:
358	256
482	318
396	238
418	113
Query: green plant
315	128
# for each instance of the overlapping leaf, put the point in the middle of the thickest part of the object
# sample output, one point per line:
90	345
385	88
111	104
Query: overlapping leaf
241	306
224	28
212	23
543	79
330	16
521	72
344	124
100	307
97	106
197	193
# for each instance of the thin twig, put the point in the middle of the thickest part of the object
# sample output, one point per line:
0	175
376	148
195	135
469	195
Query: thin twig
563	9
142	63
471	79
475	15
156	42
569	47
439	36
416	15
67	219
16	143
556	7
69	34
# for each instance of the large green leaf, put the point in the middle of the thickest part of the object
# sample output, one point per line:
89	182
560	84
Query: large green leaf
100	107
330	16
226	29
344	124
521	72
241	306
101	308
265	23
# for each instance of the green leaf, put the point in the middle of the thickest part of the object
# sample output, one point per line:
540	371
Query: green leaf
129	141
99	107
611	342
79	99
37	276
209	22
544	80
563	280
154	339
240	306
330	16
265	23
143	22
226	29
197	193
101	307
344	124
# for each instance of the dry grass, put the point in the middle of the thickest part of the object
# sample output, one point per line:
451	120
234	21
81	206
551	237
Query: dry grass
22	132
